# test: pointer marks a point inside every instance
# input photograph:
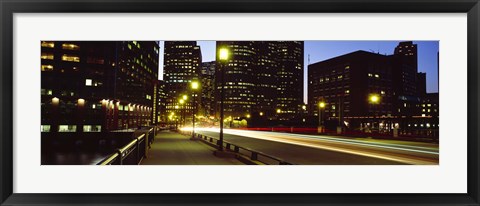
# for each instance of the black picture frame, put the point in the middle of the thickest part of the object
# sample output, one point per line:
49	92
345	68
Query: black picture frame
10	7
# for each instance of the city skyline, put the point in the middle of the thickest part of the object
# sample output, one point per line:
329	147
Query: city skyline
323	50
102	102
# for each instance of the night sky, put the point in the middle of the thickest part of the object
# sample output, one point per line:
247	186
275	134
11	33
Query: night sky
322	50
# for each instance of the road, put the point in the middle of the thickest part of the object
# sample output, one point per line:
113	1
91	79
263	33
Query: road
330	150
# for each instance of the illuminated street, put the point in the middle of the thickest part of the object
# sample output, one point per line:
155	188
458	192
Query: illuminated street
252	102
328	150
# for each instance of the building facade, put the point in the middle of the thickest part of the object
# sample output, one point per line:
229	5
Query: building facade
97	86
345	84
207	106
182	65
364	91
263	79
290	79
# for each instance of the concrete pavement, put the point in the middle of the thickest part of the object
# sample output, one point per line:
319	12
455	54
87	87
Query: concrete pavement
170	148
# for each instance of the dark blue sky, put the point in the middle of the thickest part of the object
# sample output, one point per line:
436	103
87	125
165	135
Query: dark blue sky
322	50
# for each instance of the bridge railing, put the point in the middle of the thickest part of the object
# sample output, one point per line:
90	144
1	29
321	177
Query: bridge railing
252	154
133	152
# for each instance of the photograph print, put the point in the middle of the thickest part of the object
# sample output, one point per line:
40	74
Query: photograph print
239	102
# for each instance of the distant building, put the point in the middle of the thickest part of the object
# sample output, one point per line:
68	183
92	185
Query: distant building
97	86
161	96
347	83
207	106
182	65
266	79
263	79
290	78
239	79
421	84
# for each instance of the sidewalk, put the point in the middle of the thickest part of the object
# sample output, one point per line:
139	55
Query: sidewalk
171	148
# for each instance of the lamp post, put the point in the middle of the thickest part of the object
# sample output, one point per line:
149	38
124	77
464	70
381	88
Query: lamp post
176	118
182	102
321	106
223	56
374	99
194	86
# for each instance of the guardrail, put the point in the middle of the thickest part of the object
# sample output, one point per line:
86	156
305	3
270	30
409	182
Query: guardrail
250	153
133	152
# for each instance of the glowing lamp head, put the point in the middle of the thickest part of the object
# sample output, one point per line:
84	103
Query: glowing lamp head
55	100
185	97
374	98
182	101
321	104
279	110
81	102
223	54
195	85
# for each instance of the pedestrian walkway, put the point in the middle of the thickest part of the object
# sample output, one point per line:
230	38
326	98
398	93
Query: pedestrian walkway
170	148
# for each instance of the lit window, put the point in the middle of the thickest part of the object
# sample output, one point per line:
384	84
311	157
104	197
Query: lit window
70	46
369	74
70	58
48	44
347	91
92	128
377	76
45	128
67	128
88	82
47	68
47	55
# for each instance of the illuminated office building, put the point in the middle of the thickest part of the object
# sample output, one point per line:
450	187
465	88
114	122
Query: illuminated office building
182	65
290	78
97	86
262	78
207	106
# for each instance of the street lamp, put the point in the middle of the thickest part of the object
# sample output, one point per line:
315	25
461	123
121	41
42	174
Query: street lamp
223	56
182	102
321	106
194	86
374	99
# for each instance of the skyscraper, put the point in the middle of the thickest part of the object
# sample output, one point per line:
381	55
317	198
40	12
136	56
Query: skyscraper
239	76
266	79
262	78
182	64
290	78
421	84
207	106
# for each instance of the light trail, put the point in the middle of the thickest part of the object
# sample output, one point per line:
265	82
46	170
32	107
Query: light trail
382	150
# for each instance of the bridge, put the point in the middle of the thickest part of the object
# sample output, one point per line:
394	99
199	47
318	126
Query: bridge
155	147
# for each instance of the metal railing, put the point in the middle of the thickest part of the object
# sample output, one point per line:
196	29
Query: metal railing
133	152
250	153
